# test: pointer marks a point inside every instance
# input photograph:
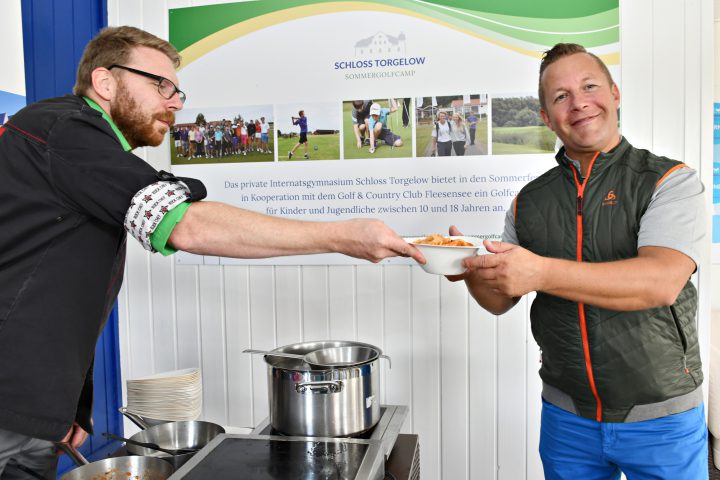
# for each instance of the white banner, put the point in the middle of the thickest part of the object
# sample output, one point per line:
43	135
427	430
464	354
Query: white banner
302	73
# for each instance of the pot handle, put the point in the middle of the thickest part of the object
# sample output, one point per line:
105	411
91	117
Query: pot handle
72	452
388	359
331	386
136	419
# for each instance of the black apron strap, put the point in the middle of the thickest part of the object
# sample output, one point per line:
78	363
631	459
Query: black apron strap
196	187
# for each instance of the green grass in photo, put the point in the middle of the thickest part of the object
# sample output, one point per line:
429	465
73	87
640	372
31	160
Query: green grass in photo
383	150
423	139
320	147
235	158
510	149
517	140
481	132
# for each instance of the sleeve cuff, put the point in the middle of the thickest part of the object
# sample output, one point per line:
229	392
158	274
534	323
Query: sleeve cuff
150	205
161	234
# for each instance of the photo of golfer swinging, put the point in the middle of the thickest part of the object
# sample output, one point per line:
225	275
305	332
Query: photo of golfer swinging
301	122
455	125
377	128
308	131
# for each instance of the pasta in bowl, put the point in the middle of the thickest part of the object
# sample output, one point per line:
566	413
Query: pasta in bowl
445	254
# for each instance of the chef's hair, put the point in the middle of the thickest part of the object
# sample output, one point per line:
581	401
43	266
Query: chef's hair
113	46
562	50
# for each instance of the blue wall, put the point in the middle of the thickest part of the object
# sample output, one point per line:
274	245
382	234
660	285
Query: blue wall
54	35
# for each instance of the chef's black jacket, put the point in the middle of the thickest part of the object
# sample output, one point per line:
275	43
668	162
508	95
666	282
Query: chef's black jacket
66	181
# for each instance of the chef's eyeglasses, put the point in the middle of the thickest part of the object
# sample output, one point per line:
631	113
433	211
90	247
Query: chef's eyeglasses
166	88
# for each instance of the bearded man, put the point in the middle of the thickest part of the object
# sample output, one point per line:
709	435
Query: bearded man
71	190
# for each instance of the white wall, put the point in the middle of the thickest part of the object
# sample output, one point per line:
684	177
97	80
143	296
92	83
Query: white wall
469	378
715	289
12	75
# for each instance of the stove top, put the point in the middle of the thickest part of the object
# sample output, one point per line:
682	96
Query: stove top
386	430
275	458
263	455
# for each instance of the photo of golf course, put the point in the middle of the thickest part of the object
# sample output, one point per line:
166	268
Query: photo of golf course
517	127
471	121
223	135
308	131
398	121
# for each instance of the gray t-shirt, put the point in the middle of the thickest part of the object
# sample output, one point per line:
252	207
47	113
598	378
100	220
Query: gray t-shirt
674	218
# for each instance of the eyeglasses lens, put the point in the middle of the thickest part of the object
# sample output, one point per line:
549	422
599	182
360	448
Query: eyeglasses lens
167	89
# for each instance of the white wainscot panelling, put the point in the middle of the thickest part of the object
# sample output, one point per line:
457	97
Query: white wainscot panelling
468	377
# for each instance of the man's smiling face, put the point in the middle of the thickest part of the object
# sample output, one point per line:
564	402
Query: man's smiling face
580	105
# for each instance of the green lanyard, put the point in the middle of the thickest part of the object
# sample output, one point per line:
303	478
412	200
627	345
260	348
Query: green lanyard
107	118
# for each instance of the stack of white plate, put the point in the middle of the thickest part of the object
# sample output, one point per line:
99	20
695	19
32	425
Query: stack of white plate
171	396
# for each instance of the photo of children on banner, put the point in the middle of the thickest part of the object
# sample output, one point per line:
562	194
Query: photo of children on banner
360	113
308	131
517	127
222	135
455	125
375	128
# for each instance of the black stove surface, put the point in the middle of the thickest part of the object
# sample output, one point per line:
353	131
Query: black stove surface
269	430
273	459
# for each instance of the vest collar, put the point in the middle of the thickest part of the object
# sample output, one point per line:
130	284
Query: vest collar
603	160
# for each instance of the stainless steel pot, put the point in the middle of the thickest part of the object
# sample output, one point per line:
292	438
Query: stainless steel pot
175	435
323	402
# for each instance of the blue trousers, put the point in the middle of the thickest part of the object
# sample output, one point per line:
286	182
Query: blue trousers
667	448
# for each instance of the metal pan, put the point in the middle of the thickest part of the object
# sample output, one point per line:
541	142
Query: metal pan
116	468
140	421
173	436
333	357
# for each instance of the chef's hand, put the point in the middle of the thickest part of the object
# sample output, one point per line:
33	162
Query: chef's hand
76	436
372	240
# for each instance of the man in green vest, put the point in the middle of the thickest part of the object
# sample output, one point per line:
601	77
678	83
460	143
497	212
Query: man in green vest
608	239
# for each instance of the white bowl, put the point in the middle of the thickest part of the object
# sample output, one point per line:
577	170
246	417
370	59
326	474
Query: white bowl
447	260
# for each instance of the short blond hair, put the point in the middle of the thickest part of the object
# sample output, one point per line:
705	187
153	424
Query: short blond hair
562	50
113	45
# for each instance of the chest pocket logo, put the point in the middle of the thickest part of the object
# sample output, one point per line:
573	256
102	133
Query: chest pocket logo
610	199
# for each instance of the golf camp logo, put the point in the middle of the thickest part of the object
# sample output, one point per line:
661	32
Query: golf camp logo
380	56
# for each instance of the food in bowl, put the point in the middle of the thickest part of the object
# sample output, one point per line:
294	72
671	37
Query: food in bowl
445	255
437	239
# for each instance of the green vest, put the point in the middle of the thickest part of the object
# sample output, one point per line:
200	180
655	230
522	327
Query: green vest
606	361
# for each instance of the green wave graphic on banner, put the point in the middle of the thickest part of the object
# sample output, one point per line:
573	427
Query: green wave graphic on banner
527	26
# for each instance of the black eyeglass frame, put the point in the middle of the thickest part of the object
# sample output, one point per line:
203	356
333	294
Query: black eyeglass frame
157	78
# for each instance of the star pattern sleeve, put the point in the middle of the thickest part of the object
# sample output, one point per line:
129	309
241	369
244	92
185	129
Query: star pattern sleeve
149	206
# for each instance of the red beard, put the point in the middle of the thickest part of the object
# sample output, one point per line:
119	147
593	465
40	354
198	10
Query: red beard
137	126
